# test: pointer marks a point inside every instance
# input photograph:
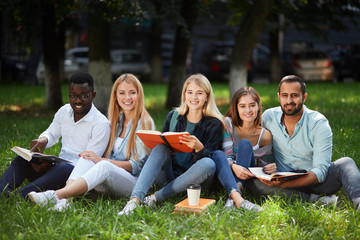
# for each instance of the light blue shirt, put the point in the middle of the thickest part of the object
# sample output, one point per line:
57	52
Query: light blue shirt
120	153
310	146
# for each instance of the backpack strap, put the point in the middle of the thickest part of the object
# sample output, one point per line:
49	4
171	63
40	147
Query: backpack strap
173	121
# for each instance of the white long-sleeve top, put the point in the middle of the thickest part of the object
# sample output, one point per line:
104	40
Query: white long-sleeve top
91	133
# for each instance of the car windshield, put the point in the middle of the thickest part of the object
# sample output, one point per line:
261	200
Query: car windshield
311	55
81	54
127	58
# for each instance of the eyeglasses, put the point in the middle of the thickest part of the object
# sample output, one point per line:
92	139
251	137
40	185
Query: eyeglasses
82	96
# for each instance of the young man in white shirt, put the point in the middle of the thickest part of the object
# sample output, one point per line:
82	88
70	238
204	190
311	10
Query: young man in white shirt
81	126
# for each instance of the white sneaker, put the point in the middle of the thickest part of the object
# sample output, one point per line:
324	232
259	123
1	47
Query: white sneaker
129	207
150	200
328	200
230	204
324	200
356	203
43	198
250	206
61	205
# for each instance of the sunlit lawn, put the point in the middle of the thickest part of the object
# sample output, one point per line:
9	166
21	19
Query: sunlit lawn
23	117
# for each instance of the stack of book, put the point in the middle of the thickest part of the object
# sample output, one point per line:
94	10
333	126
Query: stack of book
184	207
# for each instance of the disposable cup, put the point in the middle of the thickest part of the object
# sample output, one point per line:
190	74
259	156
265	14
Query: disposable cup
193	193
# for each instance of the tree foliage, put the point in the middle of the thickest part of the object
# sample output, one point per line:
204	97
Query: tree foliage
47	20
189	12
318	17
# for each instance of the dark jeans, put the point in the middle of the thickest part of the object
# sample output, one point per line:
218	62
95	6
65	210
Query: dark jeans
20	169
245	158
342	173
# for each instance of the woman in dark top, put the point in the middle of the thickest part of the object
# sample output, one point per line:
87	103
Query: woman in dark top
199	116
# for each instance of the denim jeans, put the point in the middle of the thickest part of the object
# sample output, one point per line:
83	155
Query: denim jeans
20	169
342	173
224	173
158	167
245	158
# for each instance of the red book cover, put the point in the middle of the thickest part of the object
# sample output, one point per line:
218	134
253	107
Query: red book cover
152	138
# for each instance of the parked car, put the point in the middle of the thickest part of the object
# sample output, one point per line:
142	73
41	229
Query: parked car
346	62
76	59
123	60
215	63
14	67
131	61
309	64
355	61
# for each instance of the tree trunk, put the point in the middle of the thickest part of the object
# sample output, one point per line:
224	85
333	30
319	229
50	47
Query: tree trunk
61	49
275	51
189	12
249	31
275	65
99	56
50	43
155	51
2	42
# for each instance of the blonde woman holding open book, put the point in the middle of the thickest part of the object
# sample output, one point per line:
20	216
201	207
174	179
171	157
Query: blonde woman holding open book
125	155
199	116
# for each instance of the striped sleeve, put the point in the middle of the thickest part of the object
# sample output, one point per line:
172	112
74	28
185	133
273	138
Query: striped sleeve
228	142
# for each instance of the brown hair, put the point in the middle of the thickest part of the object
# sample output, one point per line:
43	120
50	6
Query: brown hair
233	110
139	112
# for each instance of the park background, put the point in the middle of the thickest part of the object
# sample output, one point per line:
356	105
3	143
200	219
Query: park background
26	109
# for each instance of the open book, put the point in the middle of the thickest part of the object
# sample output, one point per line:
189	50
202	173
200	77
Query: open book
152	138
27	155
259	173
184	207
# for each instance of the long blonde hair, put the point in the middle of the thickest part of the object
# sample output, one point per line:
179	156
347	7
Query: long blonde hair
139	112
209	109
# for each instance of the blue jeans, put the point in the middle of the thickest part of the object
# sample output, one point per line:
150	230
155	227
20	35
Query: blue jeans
20	169
342	173
245	158
158	167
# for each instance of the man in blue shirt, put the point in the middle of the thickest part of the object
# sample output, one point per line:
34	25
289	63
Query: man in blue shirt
302	141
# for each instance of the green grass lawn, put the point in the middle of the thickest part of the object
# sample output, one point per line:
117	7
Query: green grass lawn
23	117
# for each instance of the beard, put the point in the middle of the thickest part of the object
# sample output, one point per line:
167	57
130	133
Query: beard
292	112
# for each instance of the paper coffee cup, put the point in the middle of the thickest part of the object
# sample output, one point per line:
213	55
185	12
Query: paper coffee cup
193	193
